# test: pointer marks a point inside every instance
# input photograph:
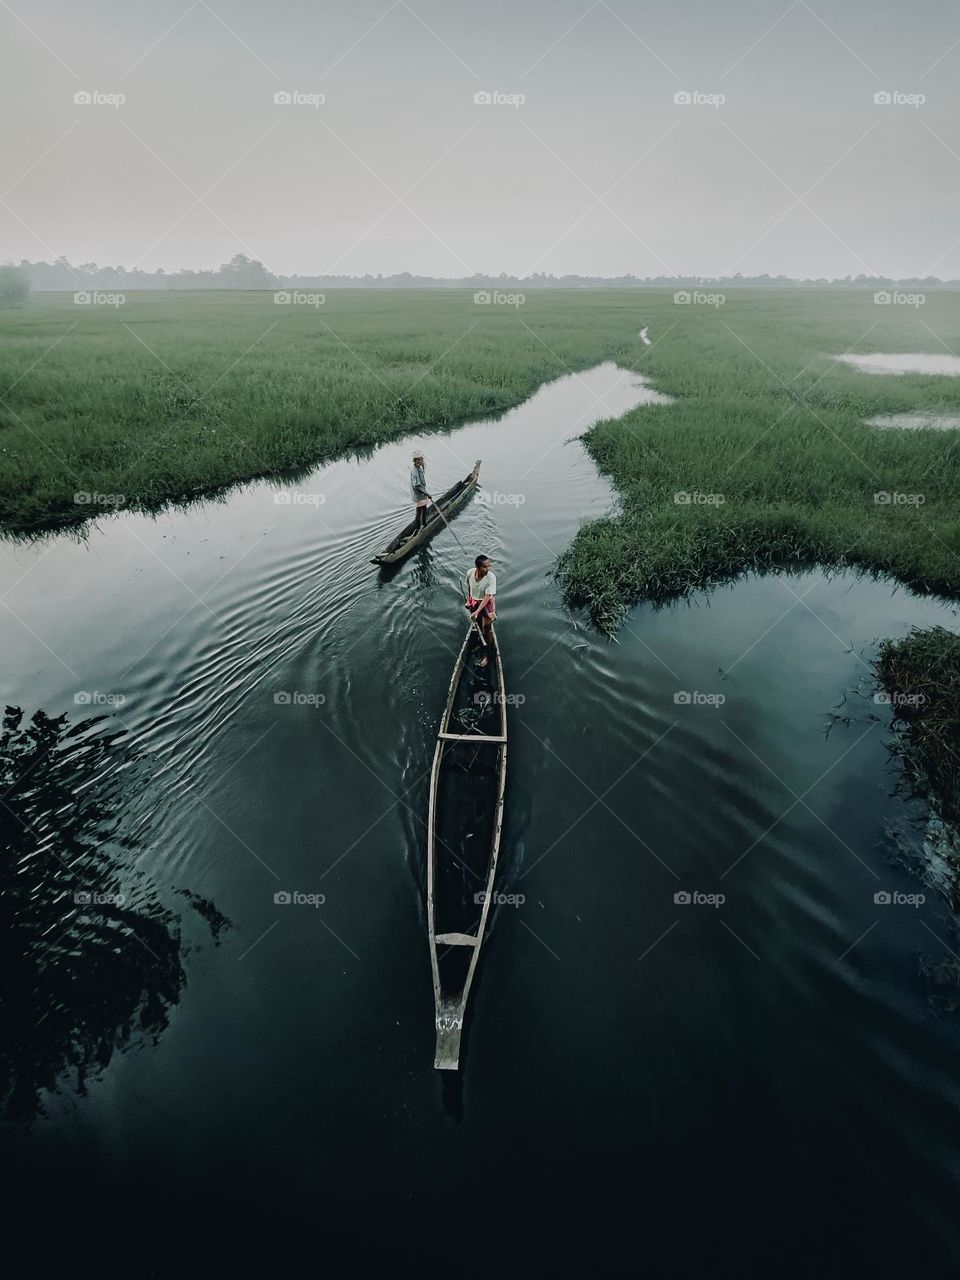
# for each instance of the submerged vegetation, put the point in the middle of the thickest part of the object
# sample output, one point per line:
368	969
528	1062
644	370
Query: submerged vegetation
921	677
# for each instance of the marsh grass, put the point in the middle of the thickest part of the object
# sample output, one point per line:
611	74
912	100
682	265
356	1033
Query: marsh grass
921	674
169	395
769	428
174	395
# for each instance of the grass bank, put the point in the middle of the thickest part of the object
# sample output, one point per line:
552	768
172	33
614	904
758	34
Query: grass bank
765	460
168	395
921	676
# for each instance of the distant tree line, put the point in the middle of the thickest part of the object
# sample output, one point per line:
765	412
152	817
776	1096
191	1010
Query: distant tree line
241	272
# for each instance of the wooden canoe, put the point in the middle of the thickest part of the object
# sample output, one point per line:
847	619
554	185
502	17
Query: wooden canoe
463	835
409	538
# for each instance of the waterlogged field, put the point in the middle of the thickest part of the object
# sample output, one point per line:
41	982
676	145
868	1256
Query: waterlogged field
764	457
134	400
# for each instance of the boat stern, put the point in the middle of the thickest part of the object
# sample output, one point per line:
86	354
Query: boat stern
449	1028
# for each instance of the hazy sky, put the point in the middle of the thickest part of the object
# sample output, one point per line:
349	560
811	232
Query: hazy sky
599	171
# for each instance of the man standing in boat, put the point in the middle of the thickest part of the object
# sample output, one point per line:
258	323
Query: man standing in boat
418	487
482	602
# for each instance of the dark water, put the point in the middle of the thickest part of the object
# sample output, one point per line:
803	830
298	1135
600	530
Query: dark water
760	1082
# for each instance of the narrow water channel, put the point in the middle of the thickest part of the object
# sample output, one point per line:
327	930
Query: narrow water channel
693	1000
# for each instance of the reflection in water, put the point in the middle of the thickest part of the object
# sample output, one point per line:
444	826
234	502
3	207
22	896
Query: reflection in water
611	1029
89	955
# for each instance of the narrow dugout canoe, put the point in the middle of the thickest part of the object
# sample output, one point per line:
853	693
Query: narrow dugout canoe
465	821
409	538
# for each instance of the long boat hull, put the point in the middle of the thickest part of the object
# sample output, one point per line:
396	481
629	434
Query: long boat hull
467	785
410	537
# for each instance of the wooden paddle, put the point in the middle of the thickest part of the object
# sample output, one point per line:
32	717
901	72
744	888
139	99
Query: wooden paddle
464	550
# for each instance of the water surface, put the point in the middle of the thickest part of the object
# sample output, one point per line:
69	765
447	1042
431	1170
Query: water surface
641	1058
916	421
901	362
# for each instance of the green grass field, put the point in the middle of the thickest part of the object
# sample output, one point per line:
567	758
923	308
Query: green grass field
921	674
767	438
170	395
763	459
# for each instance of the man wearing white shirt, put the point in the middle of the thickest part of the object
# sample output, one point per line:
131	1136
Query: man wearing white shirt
481	600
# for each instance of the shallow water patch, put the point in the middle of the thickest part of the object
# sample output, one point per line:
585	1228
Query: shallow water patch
915	421
904	362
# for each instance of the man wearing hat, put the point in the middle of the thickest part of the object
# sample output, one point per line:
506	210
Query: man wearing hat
418	487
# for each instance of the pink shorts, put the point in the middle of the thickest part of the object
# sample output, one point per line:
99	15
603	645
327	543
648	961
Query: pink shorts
422	503
472	605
